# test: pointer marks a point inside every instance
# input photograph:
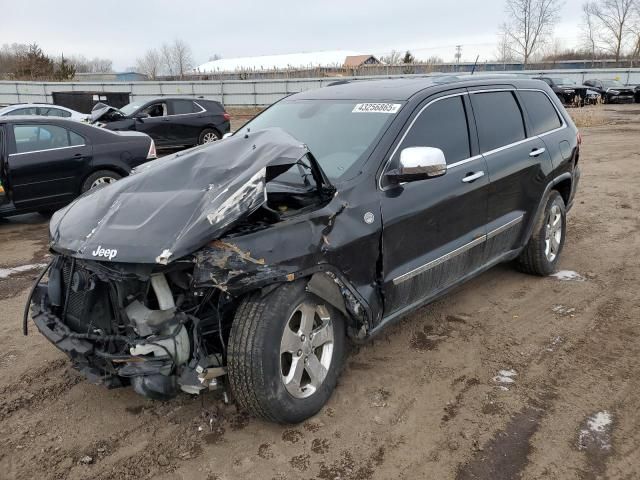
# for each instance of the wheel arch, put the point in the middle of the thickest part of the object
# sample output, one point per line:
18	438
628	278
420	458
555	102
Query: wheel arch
96	168
561	183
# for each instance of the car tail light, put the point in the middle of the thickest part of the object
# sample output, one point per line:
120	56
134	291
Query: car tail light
226	116
579	138
152	151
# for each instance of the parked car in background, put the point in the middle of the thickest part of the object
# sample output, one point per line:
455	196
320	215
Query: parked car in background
44	110
612	91
568	91
250	262
47	162
171	122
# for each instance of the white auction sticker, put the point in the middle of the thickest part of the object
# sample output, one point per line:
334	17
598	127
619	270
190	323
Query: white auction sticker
376	108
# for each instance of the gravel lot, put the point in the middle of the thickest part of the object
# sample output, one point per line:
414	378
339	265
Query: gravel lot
510	376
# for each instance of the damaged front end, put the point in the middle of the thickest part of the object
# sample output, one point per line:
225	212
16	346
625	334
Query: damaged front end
124	325
148	272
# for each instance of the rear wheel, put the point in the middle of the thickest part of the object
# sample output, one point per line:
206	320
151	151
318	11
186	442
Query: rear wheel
540	256
99	178
208	135
285	354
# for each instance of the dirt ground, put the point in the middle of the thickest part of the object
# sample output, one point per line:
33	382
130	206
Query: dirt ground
510	376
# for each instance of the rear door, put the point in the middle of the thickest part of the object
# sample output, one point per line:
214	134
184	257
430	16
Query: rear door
433	230
186	124
518	163
44	164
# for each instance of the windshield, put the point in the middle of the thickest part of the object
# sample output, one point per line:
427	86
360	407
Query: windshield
563	81
131	107
611	83
339	133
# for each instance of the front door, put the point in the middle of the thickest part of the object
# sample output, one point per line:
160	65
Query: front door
44	164
434	229
157	124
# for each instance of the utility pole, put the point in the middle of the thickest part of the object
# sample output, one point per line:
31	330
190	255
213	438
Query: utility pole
458	56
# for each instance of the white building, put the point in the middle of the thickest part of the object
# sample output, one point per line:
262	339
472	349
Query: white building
333	58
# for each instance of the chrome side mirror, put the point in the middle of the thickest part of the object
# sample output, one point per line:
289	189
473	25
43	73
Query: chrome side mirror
418	163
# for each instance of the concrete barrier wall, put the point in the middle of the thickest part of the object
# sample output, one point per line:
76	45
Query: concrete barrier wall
243	92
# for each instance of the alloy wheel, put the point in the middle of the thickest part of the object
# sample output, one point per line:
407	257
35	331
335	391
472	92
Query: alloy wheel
209	137
553	233
102	180
306	349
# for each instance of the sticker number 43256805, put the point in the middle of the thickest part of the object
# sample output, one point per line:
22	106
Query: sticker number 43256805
376	108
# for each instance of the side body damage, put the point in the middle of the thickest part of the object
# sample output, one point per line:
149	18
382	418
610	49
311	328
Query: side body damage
157	314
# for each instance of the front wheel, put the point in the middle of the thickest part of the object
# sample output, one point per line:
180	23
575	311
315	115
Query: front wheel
540	255
285	353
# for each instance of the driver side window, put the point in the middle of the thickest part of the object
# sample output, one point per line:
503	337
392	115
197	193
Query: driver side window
156	110
443	125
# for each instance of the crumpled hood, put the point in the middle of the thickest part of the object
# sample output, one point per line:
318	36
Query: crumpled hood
99	110
171	207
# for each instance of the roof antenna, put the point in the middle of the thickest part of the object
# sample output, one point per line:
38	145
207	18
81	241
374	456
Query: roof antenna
474	64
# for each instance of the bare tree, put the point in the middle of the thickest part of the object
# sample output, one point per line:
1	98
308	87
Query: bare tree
182	57
590	30
166	54
393	58
150	64
214	57
530	24
504	54
614	18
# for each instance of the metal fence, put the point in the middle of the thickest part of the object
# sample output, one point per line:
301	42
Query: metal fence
246	93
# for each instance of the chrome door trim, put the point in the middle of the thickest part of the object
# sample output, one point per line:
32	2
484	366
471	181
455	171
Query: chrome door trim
506	226
46	150
454	253
439	260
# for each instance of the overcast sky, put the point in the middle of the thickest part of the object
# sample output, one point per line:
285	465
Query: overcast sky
123	30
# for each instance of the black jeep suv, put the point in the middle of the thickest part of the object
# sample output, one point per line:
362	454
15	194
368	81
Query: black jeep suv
248	263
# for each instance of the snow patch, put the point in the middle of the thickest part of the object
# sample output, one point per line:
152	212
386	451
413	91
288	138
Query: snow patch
597	432
7	272
505	376
568	275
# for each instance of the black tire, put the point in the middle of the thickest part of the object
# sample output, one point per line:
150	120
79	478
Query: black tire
254	355
536	259
206	134
106	174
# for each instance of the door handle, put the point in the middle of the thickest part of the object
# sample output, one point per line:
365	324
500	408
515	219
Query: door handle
537	151
472	177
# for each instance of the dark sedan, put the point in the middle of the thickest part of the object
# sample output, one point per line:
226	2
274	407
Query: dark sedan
171	122
47	162
612	91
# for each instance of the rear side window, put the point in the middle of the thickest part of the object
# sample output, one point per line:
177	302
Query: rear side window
54	112
24	111
75	139
443	125
183	106
542	113
498	119
34	138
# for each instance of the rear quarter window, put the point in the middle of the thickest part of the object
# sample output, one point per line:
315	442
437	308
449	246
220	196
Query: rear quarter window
542	113
498	118
180	107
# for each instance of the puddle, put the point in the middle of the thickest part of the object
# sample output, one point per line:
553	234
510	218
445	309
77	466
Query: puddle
7	272
505	376
568	275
